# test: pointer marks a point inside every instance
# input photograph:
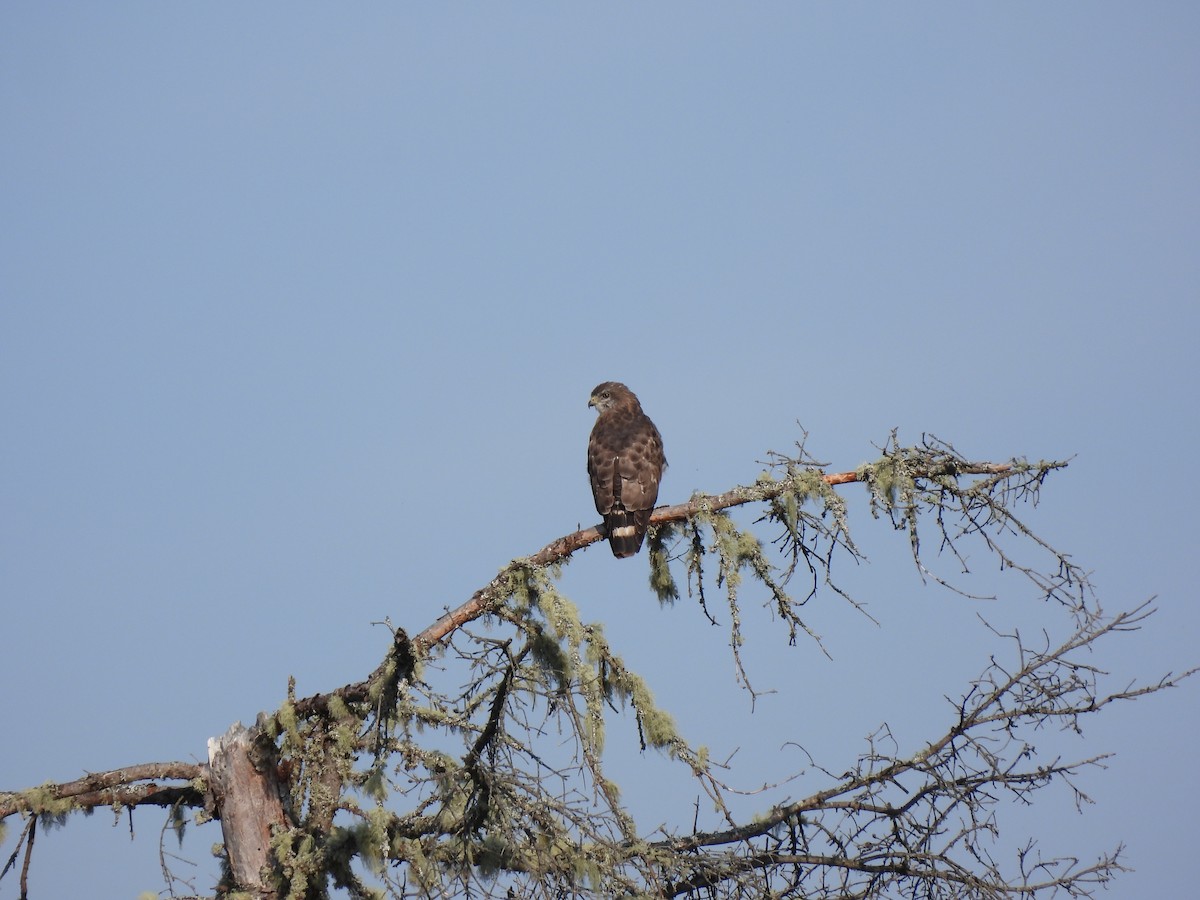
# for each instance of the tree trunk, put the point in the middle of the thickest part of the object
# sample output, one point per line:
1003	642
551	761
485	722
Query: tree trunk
247	799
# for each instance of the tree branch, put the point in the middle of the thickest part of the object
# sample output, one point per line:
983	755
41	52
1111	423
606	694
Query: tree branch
114	787
556	551
512	811
121	785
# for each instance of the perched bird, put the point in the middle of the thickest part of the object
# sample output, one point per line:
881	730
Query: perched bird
625	464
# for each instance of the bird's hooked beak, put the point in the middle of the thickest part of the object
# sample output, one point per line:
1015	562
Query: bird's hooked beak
591	401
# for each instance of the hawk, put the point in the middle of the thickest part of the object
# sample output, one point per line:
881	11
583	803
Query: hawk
625	464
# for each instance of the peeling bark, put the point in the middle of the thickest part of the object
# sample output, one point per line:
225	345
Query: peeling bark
246	795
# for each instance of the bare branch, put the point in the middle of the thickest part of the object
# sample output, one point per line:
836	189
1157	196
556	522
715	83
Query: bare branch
129	786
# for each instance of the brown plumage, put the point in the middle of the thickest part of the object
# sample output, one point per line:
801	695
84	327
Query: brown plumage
625	463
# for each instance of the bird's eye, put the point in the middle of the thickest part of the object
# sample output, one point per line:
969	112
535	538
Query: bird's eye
605	395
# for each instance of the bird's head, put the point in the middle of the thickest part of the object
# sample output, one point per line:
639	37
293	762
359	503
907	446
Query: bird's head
605	396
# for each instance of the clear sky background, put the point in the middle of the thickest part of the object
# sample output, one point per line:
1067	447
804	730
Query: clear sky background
301	304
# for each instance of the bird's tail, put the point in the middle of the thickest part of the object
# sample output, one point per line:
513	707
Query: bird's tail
626	530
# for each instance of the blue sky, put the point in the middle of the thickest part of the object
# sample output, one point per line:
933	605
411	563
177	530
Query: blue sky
302	306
